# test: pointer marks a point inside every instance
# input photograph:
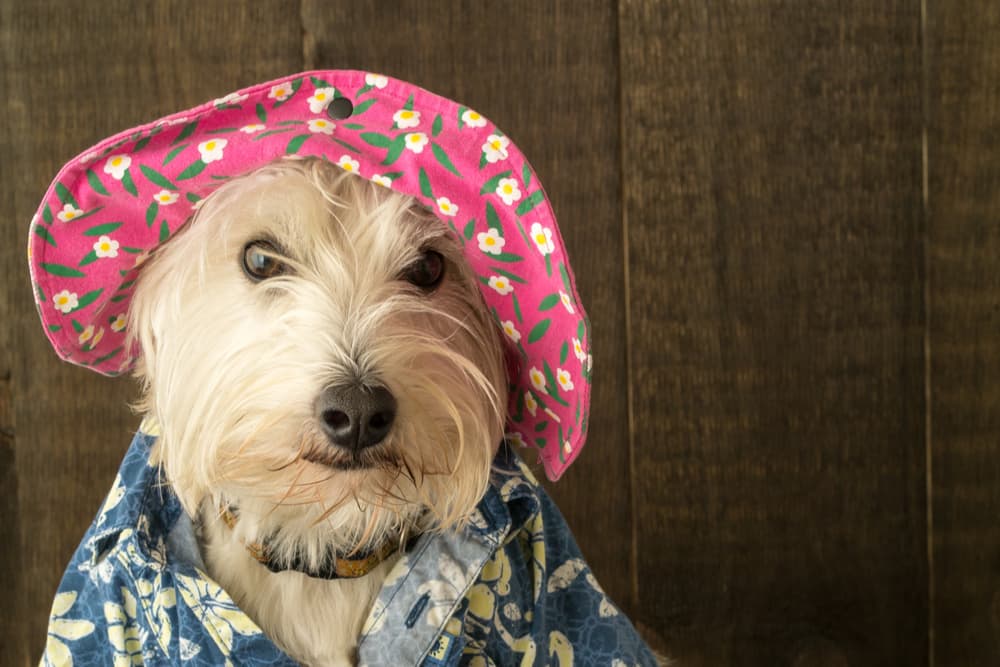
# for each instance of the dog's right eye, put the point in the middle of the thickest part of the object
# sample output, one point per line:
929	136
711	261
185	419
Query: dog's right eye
260	261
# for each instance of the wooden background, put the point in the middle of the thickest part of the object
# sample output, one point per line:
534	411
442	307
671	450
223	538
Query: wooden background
785	221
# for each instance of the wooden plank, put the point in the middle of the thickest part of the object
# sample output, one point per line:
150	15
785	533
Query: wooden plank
546	73
78	72
964	288
772	174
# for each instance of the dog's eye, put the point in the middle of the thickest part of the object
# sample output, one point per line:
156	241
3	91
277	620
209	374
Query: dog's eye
260	262
427	272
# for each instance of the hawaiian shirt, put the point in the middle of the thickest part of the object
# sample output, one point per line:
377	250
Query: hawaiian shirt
511	588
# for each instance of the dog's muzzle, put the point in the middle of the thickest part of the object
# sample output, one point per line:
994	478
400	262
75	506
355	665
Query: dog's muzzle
356	416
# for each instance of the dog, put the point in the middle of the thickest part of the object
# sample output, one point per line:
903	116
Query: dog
325	474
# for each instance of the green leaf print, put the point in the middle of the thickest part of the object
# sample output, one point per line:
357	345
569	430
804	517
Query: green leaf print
174	153
564	352
55	327
540	443
270	133
192	170
531	202
319	83
461	112
95	183
541	426
352	126
139	145
64	195
493	220
363	107
425	184
490	186
109	355
395	150
539	330
296	143
526	175
43	232
376	139
156	177
409	103
185	132
261	113
470	229
512	276
436	126
517	307
88	258
363	89
128	183
443	158
47	214
77	327
353	149
164	231
548	265
565	278
296	84
193	198
62	271
103	228
506	257
548	302
151	213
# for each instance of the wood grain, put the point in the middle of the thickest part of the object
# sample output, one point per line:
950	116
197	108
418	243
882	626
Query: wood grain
964	289
772	195
77	72
546	74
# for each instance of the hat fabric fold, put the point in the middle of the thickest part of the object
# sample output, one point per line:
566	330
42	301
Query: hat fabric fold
133	191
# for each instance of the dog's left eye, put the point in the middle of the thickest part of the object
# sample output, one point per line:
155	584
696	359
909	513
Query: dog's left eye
427	272
259	261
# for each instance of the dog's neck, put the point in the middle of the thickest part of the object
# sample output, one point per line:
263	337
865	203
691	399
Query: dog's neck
356	562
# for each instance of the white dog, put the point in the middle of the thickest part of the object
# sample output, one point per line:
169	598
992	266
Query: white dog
320	361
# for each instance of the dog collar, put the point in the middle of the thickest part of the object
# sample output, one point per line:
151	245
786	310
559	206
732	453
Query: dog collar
357	564
117	201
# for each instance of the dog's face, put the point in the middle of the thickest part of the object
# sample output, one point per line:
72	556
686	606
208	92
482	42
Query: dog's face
316	344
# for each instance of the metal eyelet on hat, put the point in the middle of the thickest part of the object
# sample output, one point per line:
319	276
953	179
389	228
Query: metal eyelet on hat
340	108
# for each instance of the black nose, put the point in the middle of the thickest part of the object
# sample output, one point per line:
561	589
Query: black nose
356	416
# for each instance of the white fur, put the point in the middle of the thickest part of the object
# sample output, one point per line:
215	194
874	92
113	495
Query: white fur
231	369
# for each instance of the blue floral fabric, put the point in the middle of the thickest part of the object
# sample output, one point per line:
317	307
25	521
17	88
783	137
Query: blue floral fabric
512	588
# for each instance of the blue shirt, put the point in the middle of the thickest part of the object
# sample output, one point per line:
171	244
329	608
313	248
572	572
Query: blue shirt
511	588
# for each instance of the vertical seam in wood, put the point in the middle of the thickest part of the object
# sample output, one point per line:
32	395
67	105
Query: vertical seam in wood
928	438
629	391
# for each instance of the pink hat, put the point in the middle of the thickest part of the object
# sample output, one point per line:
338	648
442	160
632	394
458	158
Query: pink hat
134	190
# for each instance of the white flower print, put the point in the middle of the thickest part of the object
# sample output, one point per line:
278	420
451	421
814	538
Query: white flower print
106	247
116	166
320	99
118	324
280	92
542	236
502	285
60	628
537	379
384	181
347	164
231	98
221	616
590	362
511	330
508	190
123	631
97	338
376	80
65	301
578	350
251	128
446	207
490	241
166	197
69	212
473	119
566	302
530	403
211	150
553	416
321	126
89	157
564	379
415	141
495	148
406	118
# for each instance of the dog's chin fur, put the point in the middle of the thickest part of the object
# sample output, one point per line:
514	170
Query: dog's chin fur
231	369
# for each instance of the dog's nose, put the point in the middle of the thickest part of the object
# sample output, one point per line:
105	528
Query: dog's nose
356	416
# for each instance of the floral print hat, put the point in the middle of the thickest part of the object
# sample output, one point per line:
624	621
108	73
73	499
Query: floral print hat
132	191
